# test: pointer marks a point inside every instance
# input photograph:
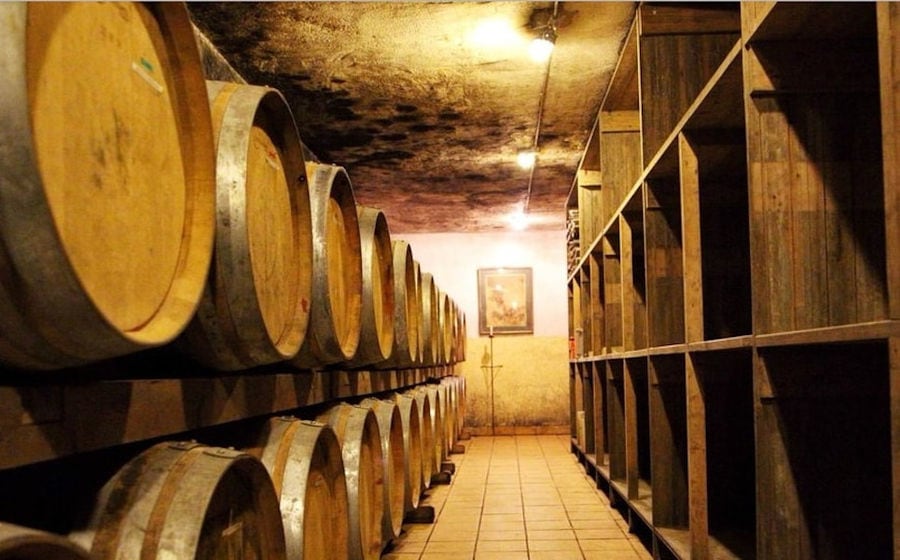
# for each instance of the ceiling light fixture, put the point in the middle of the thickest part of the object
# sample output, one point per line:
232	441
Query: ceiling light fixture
541	47
518	220
526	158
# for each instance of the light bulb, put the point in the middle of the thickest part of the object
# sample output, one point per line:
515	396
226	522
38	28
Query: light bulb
518	220
541	47
525	159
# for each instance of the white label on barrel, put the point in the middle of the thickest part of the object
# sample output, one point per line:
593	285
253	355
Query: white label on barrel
141	69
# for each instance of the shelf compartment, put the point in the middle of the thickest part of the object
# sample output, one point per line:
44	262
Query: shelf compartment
612	290
601	414
774	21
590	406
587	323
680	47
637	430
824	470
597	307
634	276
668	441
815	180
722	466
615	395
715	221
665	276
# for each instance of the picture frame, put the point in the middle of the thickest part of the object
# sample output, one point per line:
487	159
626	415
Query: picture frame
505	302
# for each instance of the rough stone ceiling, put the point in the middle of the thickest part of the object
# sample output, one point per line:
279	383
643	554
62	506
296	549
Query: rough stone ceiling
427	104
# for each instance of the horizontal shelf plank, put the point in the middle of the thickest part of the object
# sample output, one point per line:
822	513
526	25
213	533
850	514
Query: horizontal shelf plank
732	343
676	540
667	350
876	330
42	422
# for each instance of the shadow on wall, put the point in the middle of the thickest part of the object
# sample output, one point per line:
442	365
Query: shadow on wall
531	384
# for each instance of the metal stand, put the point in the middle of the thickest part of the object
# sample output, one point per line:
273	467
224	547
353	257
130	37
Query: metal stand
492	367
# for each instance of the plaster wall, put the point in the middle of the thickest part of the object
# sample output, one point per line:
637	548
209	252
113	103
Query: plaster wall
531	387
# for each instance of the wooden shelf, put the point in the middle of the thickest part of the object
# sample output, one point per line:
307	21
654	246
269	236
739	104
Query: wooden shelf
749	274
45	421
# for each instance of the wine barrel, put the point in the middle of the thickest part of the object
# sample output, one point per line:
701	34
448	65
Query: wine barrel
106	180
390	425
461	406
435	399
431	337
304	460
357	430
411	420
446	418
21	543
445	328
452	409
376	338
255	308
420	315
334	320
461	336
426	426
406	309
184	501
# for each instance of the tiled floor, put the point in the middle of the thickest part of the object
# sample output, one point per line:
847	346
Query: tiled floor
518	498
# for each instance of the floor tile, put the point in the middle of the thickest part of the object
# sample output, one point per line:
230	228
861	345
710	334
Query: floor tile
555	545
490	555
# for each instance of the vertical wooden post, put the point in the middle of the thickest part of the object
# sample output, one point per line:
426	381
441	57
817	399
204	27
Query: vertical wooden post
627	268
889	71
697	478
632	473
598	370
690	240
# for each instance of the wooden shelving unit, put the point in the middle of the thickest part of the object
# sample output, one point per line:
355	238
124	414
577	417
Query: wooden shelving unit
746	273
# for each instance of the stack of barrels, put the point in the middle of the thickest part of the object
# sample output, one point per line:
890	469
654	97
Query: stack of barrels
335	487
163	209
142	206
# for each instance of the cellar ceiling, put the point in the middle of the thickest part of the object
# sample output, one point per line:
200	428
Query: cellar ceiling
427	104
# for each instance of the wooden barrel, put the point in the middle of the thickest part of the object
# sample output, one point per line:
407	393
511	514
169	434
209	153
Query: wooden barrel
461	404
390	425
426	426
406	309
20	543
106	180
445	327
357	430
184	501
437	425
376	338
420	314
446	418
334	320
431	338
255	308
411	419
451	411
461	336
304	460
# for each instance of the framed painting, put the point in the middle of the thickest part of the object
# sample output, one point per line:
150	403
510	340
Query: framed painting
505	301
